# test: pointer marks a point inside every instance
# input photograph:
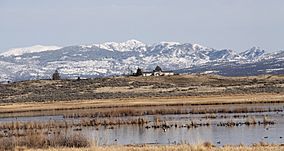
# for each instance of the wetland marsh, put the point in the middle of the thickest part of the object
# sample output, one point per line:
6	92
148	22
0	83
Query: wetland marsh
184	110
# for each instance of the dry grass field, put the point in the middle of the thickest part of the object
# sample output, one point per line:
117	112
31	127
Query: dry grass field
170	148
138	87
40	107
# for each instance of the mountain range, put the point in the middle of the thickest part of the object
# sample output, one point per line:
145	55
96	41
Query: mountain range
111	58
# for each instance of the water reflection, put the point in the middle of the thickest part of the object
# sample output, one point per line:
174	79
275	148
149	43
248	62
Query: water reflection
219	136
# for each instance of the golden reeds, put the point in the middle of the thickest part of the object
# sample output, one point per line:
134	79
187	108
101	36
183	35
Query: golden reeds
38	139
183	147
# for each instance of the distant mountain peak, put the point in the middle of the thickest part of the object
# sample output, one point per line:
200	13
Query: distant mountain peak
255	48
169	43
128	45
253	53
133	41
32	49
198	47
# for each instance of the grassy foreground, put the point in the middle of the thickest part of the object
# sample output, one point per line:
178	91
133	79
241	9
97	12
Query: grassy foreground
140	102
170	148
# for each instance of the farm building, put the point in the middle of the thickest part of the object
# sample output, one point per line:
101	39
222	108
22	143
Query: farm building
158	72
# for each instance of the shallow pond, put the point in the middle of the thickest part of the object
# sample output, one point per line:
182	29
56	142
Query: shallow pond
217	135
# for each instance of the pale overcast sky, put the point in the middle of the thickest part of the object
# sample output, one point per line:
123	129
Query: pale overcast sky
234	24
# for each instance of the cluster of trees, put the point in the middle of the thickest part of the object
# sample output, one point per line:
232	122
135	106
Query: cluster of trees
56	76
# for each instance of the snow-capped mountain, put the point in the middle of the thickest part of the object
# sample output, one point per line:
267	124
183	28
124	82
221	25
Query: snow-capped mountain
130	45
114	58
21	51
254	53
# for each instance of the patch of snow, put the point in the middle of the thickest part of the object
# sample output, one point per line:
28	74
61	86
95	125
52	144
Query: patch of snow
35	57
101	70
271	70
210	72
86	46
169	43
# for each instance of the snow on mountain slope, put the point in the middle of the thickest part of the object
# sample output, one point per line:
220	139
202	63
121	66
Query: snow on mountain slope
130	45
253	54
21	51
113	58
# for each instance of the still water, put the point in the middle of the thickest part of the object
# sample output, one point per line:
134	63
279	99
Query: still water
219	136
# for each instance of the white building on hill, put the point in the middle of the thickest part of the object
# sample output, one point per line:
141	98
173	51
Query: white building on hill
158	72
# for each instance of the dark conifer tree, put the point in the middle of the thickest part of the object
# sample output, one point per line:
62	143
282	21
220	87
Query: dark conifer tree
55	75
139	72
158	68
